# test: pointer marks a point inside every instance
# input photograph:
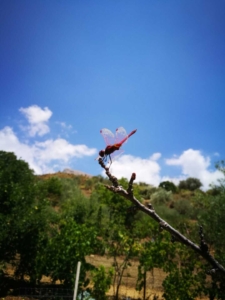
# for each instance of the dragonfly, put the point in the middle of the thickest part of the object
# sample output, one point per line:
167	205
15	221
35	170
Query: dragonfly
113	142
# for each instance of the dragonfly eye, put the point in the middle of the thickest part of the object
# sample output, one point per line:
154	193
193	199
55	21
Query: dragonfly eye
101	153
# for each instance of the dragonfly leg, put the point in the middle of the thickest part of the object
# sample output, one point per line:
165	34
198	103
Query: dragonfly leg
110	161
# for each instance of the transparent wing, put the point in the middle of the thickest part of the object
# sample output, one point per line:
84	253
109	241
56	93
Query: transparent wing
116	154
120	134
108	136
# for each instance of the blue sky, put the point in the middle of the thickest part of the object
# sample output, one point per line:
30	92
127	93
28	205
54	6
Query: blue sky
70	68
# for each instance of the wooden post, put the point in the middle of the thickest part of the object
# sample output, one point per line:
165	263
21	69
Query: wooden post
76	280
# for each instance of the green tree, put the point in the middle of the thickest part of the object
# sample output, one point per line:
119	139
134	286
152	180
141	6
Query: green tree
190	184
17	197
24	216
158	252
102	281
168	186
70	243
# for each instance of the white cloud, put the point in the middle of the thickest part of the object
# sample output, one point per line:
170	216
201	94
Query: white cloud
10	143
51	155
147	170
41	155
194	164
155	156
60	149
37	118
35	114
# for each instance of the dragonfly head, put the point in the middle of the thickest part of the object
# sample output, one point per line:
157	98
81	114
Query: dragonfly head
102	153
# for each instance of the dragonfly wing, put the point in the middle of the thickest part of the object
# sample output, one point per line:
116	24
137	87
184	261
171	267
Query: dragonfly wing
108	136
116	154
120	134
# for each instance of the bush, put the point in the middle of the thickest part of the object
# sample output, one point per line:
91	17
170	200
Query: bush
183	206
169	215
161	197
102	282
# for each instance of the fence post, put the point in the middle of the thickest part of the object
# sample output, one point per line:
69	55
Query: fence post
76	280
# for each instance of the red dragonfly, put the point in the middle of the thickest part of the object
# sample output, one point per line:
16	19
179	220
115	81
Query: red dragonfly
113	142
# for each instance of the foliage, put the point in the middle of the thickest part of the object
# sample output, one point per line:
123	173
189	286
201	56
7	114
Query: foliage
70	244
183	206
47	226
145	190
75	204
53	188
190	184
20	220
102	281
171	216
158	252
161	197
185	283
168	186
122	247
17	182
212	220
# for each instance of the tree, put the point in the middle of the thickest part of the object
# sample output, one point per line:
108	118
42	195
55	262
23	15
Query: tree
102	281
190	184
168	186
24	216
70	243
17	195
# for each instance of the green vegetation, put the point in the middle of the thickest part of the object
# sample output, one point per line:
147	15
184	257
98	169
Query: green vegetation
49	223
190	184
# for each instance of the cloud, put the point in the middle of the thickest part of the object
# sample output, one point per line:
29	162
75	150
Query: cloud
147	170
194	164
37	119
10	143
51	155
60	149
42	155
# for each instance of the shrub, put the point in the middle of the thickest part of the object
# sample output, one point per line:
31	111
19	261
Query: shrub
161	197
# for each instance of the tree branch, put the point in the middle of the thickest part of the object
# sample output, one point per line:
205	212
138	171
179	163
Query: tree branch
202	250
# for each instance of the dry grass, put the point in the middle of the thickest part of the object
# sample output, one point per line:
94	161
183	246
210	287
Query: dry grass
153	281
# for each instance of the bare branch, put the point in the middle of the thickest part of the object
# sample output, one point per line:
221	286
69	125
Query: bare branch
149	210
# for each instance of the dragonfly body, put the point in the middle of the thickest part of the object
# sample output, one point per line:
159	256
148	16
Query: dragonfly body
111	148
120	138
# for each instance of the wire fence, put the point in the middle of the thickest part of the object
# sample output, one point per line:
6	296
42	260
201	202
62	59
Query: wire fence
53	293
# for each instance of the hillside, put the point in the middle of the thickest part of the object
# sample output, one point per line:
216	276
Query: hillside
50	222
